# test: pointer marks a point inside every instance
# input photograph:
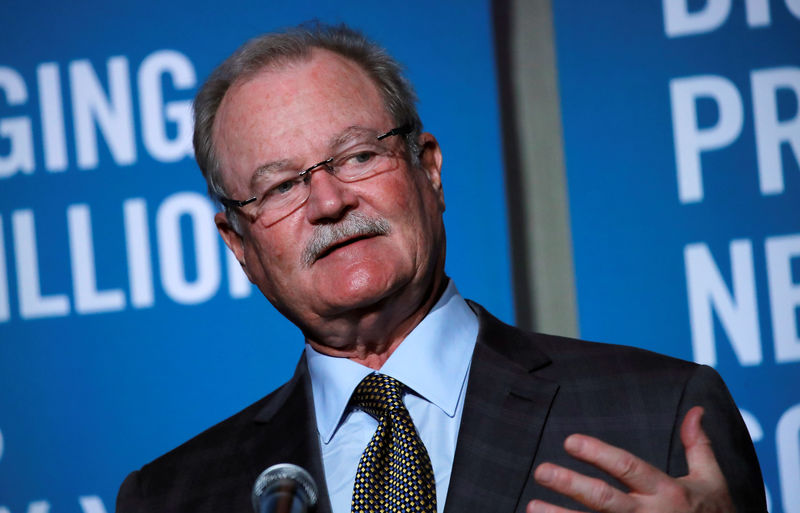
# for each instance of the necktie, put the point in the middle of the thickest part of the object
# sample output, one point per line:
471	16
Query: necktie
394	474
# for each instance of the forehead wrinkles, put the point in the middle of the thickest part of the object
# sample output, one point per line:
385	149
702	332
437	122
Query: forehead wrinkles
222	139
321	91
239	114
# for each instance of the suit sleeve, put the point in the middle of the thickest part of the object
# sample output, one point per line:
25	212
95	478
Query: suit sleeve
129	498
730	440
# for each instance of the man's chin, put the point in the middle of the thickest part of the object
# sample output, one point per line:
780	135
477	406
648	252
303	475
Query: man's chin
358	294
356	303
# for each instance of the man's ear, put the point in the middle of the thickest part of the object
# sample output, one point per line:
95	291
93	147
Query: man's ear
430	159
232	239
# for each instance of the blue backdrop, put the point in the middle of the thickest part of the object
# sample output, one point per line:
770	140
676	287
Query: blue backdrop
682	140
124	328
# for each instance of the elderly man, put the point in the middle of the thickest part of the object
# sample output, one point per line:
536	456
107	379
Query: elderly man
407	397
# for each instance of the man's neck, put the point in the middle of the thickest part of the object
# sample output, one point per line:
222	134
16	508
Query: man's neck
370	337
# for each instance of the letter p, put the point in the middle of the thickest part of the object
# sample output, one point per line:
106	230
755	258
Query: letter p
690	139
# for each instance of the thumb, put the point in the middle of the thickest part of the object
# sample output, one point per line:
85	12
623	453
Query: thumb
699	455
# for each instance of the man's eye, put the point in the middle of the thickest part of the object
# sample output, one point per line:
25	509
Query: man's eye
362	157
283	187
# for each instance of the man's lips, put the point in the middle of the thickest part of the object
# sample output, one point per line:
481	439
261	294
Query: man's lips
343	243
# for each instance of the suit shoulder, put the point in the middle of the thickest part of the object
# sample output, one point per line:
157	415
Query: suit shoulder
574	357
214	471
202	446
578	350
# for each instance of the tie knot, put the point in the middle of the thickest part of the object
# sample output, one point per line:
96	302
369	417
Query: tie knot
378	394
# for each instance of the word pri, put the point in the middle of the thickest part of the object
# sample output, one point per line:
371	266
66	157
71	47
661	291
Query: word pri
178	213
166	126
771	132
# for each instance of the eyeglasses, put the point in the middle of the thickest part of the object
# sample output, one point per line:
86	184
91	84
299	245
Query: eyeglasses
282	191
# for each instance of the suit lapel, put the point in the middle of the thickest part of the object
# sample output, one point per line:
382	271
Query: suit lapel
504	413
288	434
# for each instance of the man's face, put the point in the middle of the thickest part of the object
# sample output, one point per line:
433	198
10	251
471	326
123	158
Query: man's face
293	115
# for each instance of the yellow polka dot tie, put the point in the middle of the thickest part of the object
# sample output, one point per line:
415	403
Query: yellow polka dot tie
395	473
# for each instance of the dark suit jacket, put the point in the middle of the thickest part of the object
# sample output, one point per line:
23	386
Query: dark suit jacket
526	393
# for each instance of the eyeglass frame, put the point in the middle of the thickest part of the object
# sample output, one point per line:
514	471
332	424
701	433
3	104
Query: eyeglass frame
404	129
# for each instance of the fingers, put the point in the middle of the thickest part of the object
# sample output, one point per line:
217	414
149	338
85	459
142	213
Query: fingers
634	472
691	431
650	488
593	493
699	454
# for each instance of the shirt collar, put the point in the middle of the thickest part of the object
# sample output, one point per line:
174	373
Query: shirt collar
433	361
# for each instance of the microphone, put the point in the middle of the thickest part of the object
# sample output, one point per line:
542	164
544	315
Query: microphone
284	488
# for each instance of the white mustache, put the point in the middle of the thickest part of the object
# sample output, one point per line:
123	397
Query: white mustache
354	224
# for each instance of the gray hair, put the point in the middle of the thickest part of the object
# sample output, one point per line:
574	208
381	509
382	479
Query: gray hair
274	50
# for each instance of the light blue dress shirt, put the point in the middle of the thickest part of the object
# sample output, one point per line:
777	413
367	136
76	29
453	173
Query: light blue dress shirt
433	362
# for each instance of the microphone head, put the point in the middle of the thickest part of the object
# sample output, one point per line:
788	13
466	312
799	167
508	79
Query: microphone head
282	477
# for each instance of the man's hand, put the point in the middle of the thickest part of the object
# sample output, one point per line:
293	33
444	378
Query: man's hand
703	489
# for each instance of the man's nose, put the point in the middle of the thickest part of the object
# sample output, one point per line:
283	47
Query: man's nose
329	198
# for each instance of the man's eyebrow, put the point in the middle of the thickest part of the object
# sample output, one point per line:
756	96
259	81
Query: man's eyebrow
338	140
347	135
267	168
